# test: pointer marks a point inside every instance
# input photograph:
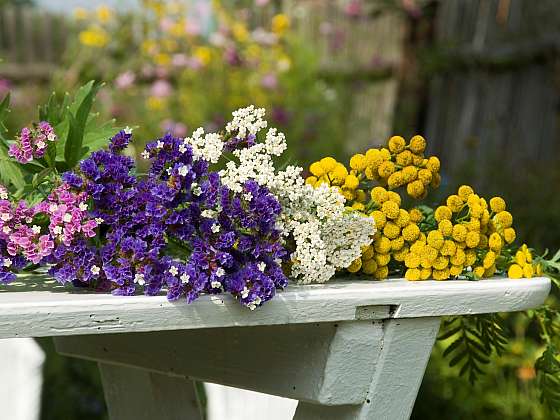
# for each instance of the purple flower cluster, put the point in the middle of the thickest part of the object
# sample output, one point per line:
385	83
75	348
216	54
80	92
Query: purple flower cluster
178	229
232	239
32	142
30	234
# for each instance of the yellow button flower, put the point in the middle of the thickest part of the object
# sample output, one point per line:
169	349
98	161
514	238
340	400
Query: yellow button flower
317	169
355	266
358	162
489	259
445	227
369	266
412	274
382	245
433	164
396	144
328	163
390	209
351	182
425	176
504	219
379	218
497	204
495	242
417	144
416	189
404	158
455	203
416	215
382	259
386	169
391	230
515	271
381	273
509	235
465	192
473	239
411	232
443	213
435	239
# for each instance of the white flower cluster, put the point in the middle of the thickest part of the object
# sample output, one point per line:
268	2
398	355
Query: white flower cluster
206	146
247	121
328	237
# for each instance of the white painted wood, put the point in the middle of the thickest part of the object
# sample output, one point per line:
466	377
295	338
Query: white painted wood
229	403
135	394
39	308
324	363
398	374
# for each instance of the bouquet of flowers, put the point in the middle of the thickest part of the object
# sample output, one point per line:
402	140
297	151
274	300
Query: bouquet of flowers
212	213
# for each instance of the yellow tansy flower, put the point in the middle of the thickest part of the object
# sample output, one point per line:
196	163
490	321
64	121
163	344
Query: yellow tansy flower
396	144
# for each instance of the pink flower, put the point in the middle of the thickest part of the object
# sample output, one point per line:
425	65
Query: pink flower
269	81
125	80
161	89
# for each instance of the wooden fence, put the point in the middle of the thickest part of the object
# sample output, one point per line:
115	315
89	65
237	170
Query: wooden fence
31	42
495	96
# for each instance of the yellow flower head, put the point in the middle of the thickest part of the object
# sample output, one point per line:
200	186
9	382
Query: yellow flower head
448	249
495	242
382	245
445	227
412	260
379	218
412	274
367	252
489	259
401	254
381	273
443	213
425	273
386	169
396	144
393	196
459	258
425	176
104	13
509	235
441	274
455	270
528	271
403	219
311	180
355	266
473	239
358	162
94	37
435	239
382	259
317	169
470	257
358	206
465	192
497	204
416	215
351	182
436	181
404	158
459	233
415	189
515	271
479	272
280	24
396	180
391	209
410	173
397	243
80	13
417	144
339	173
411	232
379	195
433	164
503	219
385	153
328	163
369	266
391	230
373	158
455	203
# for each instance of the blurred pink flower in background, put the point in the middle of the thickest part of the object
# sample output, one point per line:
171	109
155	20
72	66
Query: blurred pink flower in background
354	8
125	80
192	28
161	89
5	86
180	60
231	57
269	81
261	2
166	24
412	8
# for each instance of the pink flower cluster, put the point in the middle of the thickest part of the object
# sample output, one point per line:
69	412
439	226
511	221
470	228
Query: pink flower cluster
67	217
32	142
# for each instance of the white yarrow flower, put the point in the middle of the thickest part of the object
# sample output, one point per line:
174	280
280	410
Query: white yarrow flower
127	130
145	154
173	270
95	270
139	279
36	229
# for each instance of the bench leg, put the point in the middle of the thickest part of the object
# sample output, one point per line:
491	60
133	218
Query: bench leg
399	370
137	394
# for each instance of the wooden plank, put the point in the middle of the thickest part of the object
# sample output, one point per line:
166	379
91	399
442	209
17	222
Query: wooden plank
134	394
57	311
399	369
323	363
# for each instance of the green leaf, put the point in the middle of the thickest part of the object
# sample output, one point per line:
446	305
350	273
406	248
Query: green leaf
4	109
10	172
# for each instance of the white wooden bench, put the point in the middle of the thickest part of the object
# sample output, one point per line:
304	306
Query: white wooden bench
345	350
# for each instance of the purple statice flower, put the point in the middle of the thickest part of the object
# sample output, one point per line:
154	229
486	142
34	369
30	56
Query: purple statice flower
32	143
29	235
225	241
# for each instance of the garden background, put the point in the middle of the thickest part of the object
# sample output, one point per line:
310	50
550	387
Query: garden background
478	78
